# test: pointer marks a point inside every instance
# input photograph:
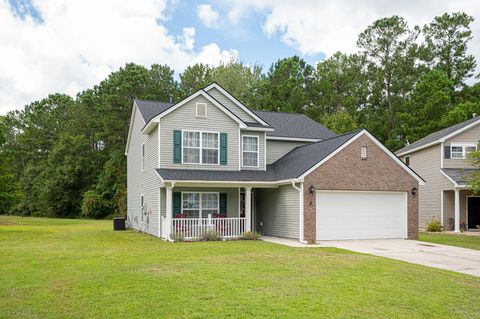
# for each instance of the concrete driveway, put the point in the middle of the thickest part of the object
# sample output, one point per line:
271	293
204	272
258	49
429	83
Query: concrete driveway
457	259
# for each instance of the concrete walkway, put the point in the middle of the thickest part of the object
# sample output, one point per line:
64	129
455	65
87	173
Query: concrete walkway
462	260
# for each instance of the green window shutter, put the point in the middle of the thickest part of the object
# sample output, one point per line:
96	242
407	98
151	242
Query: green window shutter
177	146
223	203
177	203
223	148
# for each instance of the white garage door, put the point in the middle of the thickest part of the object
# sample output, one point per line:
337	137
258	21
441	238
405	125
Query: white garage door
361	215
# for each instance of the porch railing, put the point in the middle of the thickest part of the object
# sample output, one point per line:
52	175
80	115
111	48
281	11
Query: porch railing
196	228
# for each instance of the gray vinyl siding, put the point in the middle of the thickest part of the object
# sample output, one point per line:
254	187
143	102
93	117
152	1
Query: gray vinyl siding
232	197
225	101
146	182
426	163
277	149
184	118
278	211
261	149
471	136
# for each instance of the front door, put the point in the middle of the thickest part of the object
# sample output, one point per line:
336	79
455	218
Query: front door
473	211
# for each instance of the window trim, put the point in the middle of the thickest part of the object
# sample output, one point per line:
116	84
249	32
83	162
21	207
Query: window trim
258	150
201	148
463	146
363	152
143	150
200	208
196	109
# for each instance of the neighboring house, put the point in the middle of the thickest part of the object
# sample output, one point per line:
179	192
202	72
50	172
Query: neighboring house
209	162
441	159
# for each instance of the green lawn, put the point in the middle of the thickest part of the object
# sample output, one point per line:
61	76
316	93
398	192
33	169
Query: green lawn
460	240
82	269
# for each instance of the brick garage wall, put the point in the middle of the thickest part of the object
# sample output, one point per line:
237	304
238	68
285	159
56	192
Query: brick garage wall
347	171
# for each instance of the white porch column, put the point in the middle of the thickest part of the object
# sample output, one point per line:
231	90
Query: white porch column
457	210
248	208
169	209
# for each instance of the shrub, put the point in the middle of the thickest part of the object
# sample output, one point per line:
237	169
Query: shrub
249	235
94	205
435	226
211	236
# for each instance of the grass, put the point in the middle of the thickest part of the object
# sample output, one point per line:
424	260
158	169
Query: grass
459	240
82	269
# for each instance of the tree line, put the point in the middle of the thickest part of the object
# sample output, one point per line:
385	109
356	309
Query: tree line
64	157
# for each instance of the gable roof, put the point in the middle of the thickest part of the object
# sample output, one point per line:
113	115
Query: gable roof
296	164
294	125
439	136
150	109
235	101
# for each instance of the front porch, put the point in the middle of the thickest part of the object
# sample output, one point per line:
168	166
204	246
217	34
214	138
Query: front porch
191	213
460	210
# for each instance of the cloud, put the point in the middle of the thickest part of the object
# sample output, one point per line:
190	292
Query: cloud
74	45
328	26
208	16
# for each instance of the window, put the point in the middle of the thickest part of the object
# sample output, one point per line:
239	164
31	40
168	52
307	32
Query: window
250	151
200	147
461	151
194	204
143	157
201	109
407	160
363	152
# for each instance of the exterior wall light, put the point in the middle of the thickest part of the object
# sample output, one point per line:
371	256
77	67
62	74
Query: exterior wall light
311	189
414	191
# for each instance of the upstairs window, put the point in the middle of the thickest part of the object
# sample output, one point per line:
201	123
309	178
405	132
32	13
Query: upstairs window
250	151
200	148
458	151
407	160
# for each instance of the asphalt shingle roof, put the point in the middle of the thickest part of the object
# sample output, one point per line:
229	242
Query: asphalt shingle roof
459	174
150	109
292	165
294	125
436	135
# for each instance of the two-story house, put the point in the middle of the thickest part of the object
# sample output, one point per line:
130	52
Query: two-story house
210	163
441	159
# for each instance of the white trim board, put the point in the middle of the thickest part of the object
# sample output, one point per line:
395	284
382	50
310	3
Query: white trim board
292	139
188	99
442	139
235	101
380	145
130	128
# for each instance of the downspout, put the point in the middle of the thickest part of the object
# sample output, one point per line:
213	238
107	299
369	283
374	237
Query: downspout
301	210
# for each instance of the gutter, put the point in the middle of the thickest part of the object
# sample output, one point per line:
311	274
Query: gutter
301	209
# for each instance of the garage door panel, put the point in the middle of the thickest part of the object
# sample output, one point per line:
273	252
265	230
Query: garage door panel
361	215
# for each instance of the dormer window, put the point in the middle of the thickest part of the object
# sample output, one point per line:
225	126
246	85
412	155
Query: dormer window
201	109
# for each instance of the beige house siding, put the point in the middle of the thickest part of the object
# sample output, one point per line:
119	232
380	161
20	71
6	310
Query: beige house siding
426	162
471	136
261	149
225	101
184	118
277	149
278	211
143	182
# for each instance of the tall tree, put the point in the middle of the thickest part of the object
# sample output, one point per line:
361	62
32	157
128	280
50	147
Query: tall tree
390	49
287	86
446	39
195	77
